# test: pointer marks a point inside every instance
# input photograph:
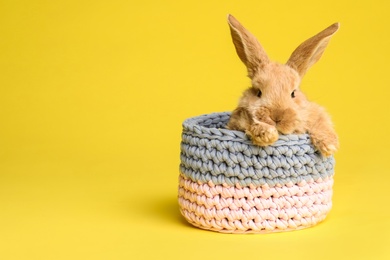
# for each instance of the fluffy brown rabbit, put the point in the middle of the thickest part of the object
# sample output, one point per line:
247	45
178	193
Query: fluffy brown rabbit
274	103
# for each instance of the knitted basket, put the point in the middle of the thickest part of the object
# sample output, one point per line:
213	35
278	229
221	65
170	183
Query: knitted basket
229	185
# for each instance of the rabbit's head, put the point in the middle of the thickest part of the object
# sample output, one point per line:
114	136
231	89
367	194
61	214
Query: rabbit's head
274	96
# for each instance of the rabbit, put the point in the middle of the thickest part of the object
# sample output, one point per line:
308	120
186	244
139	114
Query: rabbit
274	104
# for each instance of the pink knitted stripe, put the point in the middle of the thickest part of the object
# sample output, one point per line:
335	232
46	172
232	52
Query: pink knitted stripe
255	209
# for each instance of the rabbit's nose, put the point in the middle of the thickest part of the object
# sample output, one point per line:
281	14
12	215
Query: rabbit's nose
277	116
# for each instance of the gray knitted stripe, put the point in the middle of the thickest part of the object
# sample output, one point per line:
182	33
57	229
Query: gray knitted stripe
209	152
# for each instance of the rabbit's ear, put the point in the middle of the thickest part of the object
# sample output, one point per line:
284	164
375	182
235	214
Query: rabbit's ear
311	50
248	48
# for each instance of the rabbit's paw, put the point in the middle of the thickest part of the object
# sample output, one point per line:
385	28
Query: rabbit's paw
262	134
327	147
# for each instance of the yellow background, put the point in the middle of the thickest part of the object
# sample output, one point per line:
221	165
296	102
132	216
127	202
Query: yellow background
92	97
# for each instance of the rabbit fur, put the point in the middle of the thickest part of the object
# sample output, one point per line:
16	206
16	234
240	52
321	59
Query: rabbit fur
274	104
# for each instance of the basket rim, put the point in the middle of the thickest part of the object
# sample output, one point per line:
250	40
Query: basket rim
192	126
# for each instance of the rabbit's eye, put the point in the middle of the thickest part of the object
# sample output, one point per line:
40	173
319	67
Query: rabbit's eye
258	93
293	94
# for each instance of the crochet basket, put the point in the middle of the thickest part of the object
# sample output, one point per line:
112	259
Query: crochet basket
227	184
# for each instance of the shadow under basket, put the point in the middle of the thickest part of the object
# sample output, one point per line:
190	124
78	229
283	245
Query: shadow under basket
229	185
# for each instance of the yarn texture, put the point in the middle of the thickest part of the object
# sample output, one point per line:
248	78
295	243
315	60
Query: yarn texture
227	184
